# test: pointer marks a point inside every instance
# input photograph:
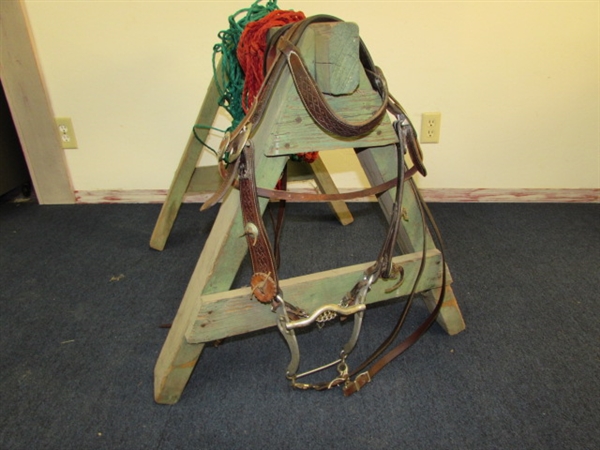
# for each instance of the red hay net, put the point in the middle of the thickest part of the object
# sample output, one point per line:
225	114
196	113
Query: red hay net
251	54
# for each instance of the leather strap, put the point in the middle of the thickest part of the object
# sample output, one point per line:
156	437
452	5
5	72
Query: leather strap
316	104
278	223
387	250
413	146
264	281
363	378
310	197
229	177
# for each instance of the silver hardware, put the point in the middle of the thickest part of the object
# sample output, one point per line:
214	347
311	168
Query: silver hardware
352	303
397	271
358	385
237	143
405	215
289	336
345	311
368	279
326	316
318	369
342	369
224	145
251	230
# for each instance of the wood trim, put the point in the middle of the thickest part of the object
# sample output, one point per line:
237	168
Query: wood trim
132	196
430	195
30	107
512	195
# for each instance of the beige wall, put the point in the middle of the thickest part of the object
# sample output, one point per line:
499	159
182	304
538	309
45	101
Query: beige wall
516	82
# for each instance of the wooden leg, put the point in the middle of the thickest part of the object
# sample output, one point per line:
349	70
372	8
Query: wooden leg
327	186
450	317
169	381
178	357
217	266
184	172
380	165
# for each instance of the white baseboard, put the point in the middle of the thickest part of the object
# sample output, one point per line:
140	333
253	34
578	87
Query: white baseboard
430	195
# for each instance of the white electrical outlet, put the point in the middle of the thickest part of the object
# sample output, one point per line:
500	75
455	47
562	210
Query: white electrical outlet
66	132
430	127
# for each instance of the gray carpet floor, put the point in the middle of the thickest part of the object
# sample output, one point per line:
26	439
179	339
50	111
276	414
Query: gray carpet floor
82	297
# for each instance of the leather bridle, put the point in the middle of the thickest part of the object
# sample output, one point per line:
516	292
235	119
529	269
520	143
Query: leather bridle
237	156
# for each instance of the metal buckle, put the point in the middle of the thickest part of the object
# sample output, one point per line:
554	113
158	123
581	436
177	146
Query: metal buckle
233	146
224	145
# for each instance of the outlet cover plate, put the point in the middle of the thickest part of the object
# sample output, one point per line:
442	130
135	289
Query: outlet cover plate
430	127
66	132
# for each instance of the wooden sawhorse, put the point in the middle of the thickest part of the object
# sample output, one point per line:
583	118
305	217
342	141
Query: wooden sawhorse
209	309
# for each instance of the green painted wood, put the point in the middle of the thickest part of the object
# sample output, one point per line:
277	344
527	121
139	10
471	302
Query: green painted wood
327	186
205	179
330	51
217	266
190	179
234	312
380	164
450	317
337	62
296	132
184	172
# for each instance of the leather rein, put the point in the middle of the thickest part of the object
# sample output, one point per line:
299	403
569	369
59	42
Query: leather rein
237	158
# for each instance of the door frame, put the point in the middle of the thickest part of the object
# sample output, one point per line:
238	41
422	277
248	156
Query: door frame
30	107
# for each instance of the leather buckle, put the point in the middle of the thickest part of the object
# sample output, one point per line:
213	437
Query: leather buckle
354	386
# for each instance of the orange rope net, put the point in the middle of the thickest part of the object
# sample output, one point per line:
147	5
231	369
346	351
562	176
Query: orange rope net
251	50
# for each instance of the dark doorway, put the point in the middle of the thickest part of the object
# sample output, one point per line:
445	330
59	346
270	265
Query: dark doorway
14	174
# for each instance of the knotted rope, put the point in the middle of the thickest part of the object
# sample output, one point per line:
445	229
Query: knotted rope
242	50
251	51
230	80
251	55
